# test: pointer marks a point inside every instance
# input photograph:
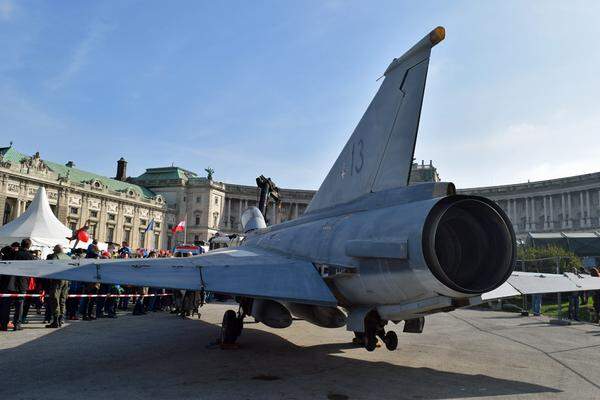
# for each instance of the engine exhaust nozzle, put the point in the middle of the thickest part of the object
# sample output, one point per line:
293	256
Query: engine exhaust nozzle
469	244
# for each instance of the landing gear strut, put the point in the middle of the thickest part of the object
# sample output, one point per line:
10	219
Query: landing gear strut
375	328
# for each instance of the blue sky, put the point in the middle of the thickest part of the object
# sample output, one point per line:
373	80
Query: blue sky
276	87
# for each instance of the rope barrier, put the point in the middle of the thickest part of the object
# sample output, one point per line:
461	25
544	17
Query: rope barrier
16	295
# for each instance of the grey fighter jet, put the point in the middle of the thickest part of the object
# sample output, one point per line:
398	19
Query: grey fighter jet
370	248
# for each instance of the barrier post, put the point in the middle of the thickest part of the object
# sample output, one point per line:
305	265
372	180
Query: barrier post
559	320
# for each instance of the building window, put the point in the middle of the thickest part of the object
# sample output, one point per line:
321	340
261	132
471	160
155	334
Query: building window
126	235
93	214
216	201
74	210
157	241
92	231
73	226
199	199
110	233
184	198
127	220
143	222
142	239
111	217
196	238
157	225
197	220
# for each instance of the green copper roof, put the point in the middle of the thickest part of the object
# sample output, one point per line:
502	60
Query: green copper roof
164	173
77	175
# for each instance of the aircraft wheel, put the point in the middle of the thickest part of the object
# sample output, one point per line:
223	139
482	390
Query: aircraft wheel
391	340
359	338
370	342
230	327
239	325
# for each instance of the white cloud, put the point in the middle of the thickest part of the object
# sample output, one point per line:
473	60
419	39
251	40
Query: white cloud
564	144
81	54
7	9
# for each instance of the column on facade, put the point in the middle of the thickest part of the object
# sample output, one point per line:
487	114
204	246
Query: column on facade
563	222
295	215
240	213
135	228
570	215
588	217
533	219
551	213
228	221
120	224
545	214
514	210
581	212
101	228
62	205
527	216
2	208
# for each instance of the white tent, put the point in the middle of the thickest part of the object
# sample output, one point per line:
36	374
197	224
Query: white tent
37	223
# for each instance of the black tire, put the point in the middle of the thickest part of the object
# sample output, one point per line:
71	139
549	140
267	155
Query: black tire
370	342
239	325
359	339
391	340
229	327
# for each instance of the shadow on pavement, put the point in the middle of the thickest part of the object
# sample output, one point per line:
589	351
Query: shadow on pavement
161	355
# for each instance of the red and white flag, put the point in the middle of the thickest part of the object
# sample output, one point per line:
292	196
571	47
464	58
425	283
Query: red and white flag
180	227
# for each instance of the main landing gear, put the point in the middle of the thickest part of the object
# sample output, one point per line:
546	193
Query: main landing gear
231	328
374	329
233	323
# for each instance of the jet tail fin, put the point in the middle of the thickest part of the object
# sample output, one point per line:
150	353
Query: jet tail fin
379	153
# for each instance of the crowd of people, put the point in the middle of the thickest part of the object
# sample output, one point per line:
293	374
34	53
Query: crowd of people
63	300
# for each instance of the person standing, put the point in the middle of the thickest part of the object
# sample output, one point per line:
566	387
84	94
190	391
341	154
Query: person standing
536	300
58	291
6	286
595	295
86	306
16	285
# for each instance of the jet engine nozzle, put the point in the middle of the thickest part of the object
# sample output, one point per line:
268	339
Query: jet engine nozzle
469	244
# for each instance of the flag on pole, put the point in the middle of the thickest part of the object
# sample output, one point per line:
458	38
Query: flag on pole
150	226
180	227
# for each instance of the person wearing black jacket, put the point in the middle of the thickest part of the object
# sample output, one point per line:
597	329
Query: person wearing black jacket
15	285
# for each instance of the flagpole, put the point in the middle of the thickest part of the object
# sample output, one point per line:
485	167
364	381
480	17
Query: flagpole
185	230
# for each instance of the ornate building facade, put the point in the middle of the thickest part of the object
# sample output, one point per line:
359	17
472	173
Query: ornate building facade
564	204
209	206
117	210
120	208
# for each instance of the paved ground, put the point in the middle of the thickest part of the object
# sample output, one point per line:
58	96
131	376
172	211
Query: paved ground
465	354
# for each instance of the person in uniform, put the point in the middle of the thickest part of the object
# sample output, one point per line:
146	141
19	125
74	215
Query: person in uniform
58	291
16	285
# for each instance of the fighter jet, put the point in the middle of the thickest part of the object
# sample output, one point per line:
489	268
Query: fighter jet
369	250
